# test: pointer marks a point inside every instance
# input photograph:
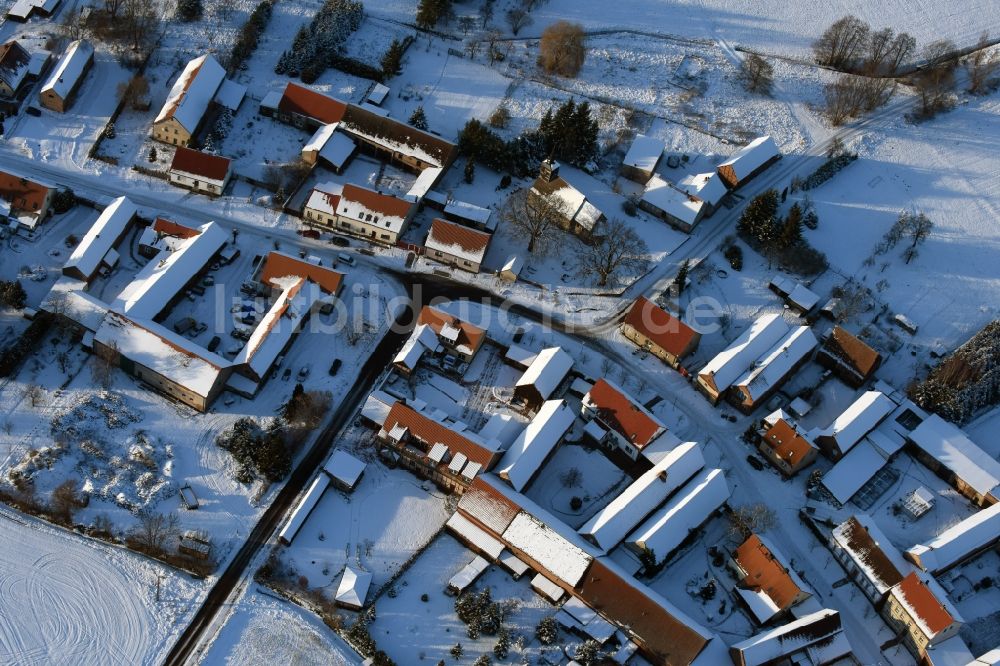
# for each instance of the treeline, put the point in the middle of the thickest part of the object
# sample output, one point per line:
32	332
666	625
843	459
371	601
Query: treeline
249	37
850	45
316	47
965	382
567	133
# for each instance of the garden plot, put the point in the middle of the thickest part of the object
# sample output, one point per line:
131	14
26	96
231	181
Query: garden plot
68	600
577	473
414	630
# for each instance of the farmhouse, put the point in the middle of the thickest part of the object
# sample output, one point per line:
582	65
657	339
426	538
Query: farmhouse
771	370
612	523
456	245
321	206
749	161
372	215
447	455
816	639
14	68
189	100
707	188
946	450
854	423
617	420
536	444
725	368
58	91
868	557
660	535
768	586
659	332
786	448
673	206
576	213
199	172
22	10
544	375
959	543
850	359
29	201
918	609
642	158
96	249
456	336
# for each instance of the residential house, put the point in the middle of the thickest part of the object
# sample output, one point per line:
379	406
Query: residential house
959	543
14	68
536	444
707	188
850	358
422	341
659	332
302	107
22	10
541	379
642	158
188	103
674	206
748	161
96	250
772	369
855	422
470	215
438	450
456	245
868	557
199	172
456	336
949	453
785	447
59	89
576	213
920	613
615	419
767	585
321	206
816	639
29	201
378	217
719	374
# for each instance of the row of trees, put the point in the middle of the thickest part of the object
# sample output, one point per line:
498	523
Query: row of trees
851	45
779	238
317	45
249	35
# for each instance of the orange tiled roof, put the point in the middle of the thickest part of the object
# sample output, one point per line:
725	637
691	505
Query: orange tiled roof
278	265
923	602
618	411
766	573
667	331
787	443
432	432
210	167
469	335
449	233
307	102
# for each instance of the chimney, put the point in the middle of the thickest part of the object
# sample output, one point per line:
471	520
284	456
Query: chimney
549	170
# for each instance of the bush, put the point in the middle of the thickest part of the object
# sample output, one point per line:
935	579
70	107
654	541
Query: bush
827	170
63	200
734	255
547	631
189	10
631	206
562	49
257	452
575	503
500	117
12	294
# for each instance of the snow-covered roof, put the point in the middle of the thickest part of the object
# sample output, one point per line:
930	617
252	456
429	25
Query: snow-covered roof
618	410
477	536
663	196
421	340
15	64
67	297
871	551
469	573
991	658
279	324
168	272
857	420
304	508
193	92
344	467
547	588
520	356
524	457
950	652
771	645
547	371
421	187
769	370
353	588
690	507
733	361
162	351
958	541
661	447
69	69
101	236
230	94
324	198
947	444
612	523
706	186
332	146
513	265
572	203
502	428
853	471
378	93
548	548
374	208
471	212
457	240
377	406
759	603
644	152
751	157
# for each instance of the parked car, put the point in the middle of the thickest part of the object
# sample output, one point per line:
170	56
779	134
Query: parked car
340	241
208	281
755	462
213	344
32	111
345	259
200	328
184	325
249	318
335	366
309	233
303	372
286	374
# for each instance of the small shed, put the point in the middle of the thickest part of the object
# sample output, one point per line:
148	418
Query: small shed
353	588
377	94
511	268
919	502
467	576
344	470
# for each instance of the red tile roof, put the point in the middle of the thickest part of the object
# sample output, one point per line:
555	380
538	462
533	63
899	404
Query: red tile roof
374	201
922	601
309	103
431	432
618	411
23	194
209	167
484	504
861	542
765	573
449	233
170	228
852	351
787	443
278	265
665	330
469	335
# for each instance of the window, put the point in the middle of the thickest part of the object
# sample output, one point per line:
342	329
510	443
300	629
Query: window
385	236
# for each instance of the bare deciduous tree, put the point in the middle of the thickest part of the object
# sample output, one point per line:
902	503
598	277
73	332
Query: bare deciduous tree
618	248
757	74
841	45
936	80
750	518
535	218
112	7
65	501
134	91
103	364
141	18
518	18
155	530
982	65
850	96
562	49
33	394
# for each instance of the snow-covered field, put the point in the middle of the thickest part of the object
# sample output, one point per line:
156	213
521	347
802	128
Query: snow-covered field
69	600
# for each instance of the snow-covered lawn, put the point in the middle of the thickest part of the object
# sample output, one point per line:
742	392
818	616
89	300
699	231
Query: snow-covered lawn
69	600
575	471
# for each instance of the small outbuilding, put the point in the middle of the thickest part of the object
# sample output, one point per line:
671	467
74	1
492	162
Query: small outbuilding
58	92
353	588
344	470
